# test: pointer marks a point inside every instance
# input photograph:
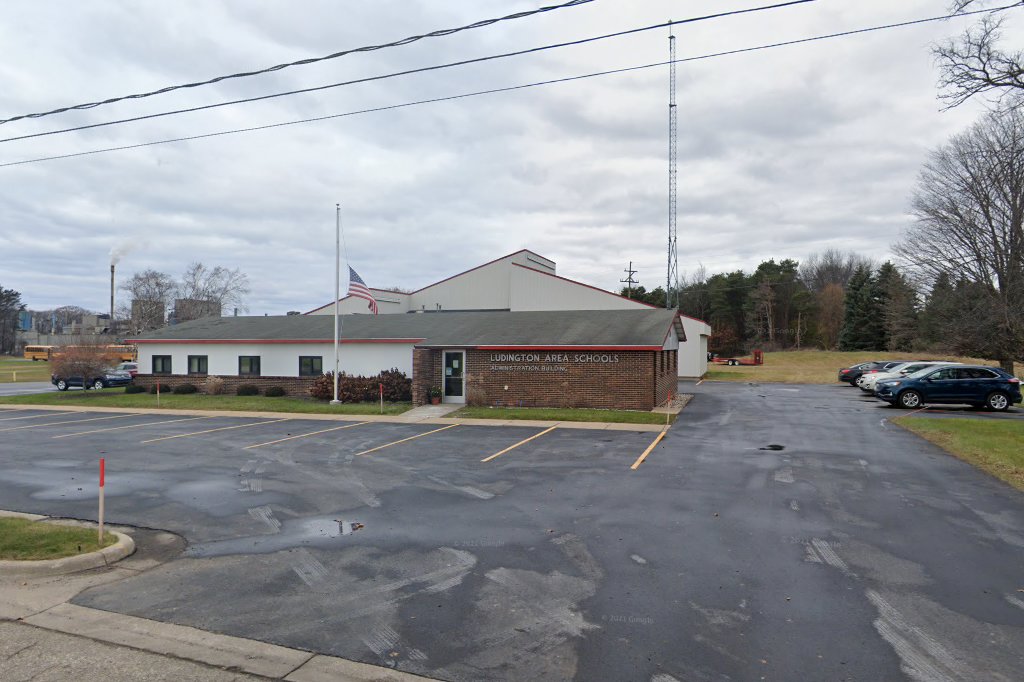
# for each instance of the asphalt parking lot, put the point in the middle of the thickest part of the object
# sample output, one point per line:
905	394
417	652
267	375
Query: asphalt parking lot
777	532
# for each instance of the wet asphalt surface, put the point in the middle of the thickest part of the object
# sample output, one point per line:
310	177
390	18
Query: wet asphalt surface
777	533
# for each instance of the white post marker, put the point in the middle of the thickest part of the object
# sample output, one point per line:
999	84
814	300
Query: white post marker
158	394
337	293
102	473
382	398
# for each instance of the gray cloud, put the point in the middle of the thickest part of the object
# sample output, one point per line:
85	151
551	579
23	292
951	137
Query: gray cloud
782	153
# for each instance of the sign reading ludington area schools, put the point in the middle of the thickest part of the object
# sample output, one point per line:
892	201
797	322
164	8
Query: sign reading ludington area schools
546	362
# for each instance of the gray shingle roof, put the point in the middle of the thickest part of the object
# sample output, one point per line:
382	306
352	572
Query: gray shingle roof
535	328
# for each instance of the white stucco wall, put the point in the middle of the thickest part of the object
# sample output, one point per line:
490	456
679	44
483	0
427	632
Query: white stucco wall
277	359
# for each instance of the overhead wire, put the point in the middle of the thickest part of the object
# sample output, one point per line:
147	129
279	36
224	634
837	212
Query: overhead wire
477	93
407	72
302	62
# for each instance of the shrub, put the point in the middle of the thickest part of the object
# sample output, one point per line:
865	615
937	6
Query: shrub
397	387
185	389
248	389
132	388
152	389
213	386
274	391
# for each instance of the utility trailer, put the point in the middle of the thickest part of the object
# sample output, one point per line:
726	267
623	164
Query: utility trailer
757	359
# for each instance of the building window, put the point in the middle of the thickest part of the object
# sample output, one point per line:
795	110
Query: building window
248	365
161	364
311	365
197	364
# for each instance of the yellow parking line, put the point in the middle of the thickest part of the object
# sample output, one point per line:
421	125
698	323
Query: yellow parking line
513	447
302	435
222	428
641	458
70	421
388	445
36	416
130	426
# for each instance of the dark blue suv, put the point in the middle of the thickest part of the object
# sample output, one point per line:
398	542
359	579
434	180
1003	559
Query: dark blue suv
975	385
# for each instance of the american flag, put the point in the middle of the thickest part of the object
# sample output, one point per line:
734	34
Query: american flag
357	287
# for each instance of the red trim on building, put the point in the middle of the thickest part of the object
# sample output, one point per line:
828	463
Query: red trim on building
588	348
273	341
604	291
466	272
441	281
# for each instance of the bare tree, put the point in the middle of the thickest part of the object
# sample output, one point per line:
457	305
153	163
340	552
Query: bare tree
973	63
226	287
969	205
151	294
831	304
831	267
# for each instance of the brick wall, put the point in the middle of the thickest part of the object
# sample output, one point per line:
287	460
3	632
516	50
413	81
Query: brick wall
426	372
639	380
296	386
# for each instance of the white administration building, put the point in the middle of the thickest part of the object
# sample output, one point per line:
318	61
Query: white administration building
519	282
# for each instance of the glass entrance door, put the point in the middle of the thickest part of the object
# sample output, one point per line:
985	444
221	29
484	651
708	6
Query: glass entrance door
454	376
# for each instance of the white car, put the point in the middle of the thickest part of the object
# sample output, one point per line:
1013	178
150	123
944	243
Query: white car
868	382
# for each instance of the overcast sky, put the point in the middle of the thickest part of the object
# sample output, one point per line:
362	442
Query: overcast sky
782	153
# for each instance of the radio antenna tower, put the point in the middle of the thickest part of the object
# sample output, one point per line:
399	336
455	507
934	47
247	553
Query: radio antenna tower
672	280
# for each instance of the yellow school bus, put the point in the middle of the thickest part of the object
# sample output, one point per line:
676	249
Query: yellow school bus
124	353
38	352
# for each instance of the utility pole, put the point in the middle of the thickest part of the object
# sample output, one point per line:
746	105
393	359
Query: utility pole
672	279
629	281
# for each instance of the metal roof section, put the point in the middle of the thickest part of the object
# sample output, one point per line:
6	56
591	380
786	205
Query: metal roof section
643	329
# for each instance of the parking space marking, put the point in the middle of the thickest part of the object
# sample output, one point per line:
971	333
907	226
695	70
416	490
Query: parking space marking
70	421
641	458
420	435
130	426
303	435
37	416
222	428
513	447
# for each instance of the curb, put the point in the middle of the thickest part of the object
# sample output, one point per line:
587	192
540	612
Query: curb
124	547
313	416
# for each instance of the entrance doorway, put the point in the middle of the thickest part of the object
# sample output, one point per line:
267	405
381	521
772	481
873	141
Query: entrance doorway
454	376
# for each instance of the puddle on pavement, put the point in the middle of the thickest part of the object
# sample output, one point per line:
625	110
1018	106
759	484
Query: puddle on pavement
319	531
773	447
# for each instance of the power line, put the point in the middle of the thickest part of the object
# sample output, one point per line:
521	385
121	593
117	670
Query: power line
492	91
424	69
303	62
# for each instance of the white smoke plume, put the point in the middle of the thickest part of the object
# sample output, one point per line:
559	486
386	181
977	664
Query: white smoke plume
117	252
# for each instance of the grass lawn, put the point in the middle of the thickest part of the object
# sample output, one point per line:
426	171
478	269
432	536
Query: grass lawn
24	540
815	366
993	446
116	397
22	369
560	414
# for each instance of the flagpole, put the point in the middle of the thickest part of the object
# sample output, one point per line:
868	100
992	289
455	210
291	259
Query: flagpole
337	295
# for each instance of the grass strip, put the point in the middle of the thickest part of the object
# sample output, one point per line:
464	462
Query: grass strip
560	414
25	540
816	366
12	368
116	397
994	446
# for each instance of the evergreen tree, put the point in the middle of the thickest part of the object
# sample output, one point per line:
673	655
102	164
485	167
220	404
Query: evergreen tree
861	327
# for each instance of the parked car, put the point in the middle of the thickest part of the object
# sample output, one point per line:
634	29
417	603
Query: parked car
976	385
130	367
867	382
851	374
110	377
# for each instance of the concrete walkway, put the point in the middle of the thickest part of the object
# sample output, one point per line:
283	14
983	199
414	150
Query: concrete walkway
45	637
381	418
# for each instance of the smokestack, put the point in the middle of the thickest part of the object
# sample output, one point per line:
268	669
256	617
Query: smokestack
111	298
